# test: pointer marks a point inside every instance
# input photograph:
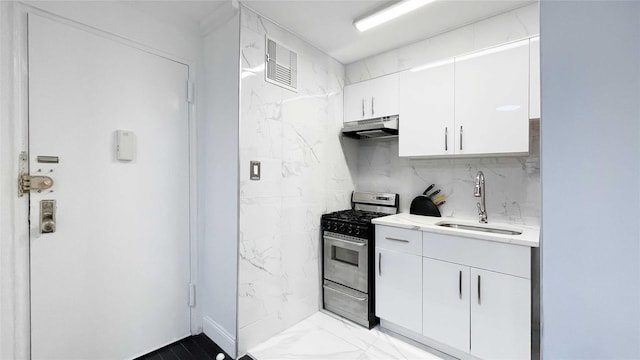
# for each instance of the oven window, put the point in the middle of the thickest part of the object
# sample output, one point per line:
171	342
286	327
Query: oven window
344	255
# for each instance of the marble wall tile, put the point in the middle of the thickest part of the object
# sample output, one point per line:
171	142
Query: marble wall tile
512	183
305	172
512	25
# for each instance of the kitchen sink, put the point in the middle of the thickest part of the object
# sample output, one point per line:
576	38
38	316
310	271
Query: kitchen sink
479	228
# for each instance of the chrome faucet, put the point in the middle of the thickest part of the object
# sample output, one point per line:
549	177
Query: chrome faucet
479	191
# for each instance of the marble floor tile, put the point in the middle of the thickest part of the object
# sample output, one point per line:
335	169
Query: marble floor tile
323	336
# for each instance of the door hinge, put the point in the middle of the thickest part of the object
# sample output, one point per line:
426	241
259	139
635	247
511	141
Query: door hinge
190	91
192	295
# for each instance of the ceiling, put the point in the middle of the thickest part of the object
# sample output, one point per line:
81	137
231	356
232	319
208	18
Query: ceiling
328	24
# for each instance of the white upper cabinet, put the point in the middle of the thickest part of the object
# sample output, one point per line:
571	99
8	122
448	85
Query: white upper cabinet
427	111
534	78
371	99
492	100
475	104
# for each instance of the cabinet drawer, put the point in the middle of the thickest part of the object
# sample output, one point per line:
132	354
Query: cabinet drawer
398	239
488	255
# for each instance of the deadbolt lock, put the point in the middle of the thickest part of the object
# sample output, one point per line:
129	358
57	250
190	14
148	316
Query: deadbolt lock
47	216
28	183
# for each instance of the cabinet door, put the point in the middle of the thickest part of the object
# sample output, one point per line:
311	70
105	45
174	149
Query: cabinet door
399	288
500	316
426	111
445	302
356	101
383	98
492	100
534	78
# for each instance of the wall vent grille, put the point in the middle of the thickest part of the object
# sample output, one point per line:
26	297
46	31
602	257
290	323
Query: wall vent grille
282	65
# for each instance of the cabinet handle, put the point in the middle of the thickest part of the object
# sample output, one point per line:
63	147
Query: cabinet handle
379	264
446	136
479	292
394	239
460	137
460	284
372	109
362	107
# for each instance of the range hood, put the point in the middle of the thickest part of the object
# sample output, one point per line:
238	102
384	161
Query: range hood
380	128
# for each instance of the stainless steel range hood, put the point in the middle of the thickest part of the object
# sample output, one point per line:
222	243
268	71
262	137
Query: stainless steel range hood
380	128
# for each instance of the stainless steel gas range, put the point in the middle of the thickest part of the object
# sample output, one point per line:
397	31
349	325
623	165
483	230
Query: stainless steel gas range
348	243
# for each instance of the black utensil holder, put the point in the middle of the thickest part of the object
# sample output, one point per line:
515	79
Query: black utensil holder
423	205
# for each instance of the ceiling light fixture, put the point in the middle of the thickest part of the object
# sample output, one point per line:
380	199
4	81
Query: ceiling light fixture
389	13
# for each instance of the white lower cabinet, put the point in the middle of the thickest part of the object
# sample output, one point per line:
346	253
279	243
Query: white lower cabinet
445	302
399	288
500	316
473	297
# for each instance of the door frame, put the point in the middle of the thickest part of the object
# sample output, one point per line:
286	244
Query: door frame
15	340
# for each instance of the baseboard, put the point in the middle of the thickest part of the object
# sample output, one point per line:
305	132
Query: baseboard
219	335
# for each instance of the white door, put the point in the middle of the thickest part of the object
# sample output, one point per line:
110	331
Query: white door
500	316
492	100
445	299
399	288
112	281
426	111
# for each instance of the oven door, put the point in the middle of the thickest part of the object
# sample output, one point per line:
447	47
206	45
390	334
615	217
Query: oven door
345	260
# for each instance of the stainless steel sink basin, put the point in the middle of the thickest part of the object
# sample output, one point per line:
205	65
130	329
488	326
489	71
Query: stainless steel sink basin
480	228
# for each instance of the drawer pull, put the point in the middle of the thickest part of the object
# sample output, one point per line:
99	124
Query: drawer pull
479	292
345	294
460	284
379	264
395	239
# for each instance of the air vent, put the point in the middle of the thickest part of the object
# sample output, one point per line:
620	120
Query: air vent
282	66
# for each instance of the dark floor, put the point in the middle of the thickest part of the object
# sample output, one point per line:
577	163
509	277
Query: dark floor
197	347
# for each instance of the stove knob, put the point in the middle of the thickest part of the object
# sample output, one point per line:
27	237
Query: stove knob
357	231
335	227
350	229
341	227
325	226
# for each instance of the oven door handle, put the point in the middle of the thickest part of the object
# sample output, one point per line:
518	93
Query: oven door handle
342	293
345	241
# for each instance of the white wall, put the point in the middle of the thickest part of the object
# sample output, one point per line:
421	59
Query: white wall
591	179
304	173
513	183
116	18
218	185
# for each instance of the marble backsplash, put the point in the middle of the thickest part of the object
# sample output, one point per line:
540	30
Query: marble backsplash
512	183
306	170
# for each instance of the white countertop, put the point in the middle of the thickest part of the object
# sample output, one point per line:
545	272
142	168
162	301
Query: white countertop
530	234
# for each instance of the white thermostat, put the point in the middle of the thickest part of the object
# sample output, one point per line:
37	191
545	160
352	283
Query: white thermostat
125	145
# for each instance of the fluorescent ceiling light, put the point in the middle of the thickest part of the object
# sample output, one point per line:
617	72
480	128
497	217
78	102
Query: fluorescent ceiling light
389	13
